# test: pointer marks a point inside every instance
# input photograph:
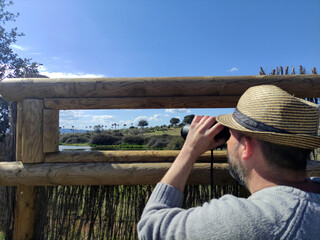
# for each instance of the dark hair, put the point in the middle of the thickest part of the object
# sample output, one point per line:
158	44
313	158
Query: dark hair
285	157
282	156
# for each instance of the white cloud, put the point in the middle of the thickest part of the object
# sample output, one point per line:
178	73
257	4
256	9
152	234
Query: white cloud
66	123
234	69
102	119
17	47
70	75
42	68
83	119
178	110
155	118
137	119
71	115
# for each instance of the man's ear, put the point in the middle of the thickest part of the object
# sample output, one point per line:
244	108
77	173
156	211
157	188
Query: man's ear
246	147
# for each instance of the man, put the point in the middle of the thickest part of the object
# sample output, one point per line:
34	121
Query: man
272	136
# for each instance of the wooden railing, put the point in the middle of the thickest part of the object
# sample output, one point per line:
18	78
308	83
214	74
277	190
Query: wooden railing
39	162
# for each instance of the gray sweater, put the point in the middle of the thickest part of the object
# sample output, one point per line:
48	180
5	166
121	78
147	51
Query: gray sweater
279	212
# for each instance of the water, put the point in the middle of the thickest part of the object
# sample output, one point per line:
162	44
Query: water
74	148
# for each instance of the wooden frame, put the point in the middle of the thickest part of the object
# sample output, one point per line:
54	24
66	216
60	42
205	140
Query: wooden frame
38	162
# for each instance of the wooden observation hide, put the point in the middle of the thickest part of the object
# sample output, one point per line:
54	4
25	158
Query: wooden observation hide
39	162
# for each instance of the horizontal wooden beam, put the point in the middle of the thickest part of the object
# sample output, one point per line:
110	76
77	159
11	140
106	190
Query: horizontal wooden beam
142	102
127	156
299	85
49	174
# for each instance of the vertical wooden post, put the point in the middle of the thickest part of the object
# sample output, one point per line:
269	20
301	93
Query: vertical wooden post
32	131
19	131
29	150
50	130
24	213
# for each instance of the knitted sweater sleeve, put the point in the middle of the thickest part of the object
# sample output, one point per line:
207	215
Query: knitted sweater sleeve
163	217
273	213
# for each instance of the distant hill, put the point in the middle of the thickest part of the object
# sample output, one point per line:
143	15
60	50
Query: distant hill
69	130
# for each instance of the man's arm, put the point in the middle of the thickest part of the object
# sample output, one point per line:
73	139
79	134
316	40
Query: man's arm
199	140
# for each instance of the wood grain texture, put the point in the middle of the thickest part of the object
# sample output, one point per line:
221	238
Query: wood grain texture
19	131
142	102
24	213
47	174
32	131
50	130
127	156
299	85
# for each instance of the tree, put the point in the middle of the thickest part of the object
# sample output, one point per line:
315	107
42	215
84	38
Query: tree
4	118
174	121
188	119
11	65
97	128
143	123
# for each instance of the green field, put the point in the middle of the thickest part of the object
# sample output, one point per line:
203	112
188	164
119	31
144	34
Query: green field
170	131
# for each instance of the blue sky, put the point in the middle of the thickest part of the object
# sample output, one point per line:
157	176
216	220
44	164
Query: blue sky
104	38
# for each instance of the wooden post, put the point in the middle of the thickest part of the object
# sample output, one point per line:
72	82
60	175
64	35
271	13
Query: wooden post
24	213
32	131
142	102
29	150
147	156
105	173
50	131
304	85
19	131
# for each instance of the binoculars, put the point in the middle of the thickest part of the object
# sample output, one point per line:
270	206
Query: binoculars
223	134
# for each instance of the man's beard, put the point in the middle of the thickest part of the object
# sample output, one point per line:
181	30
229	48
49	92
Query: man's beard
236	169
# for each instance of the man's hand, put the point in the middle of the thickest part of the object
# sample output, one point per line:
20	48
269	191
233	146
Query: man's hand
201	135
199	140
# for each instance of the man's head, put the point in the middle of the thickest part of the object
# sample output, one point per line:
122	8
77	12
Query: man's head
270	114
283	128
278	157
237	170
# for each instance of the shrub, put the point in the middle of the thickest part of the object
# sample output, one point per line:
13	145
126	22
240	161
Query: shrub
63	138
105	139
133	139
74	138
175	144
117	133
135	131
159	141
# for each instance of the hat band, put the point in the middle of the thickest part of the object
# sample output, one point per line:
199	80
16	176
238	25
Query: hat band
254	125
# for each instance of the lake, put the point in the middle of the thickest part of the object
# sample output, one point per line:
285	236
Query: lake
65	148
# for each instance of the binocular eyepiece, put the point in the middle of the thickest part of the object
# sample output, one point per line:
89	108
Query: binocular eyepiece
223	134
184	131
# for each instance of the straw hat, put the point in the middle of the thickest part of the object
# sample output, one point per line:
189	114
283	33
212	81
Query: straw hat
268	113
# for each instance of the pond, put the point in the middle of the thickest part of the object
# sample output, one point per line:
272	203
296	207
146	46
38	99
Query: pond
65	148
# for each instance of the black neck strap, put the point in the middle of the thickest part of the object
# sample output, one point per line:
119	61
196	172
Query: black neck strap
254	125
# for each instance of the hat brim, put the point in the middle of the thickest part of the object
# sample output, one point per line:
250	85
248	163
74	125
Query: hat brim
293	140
